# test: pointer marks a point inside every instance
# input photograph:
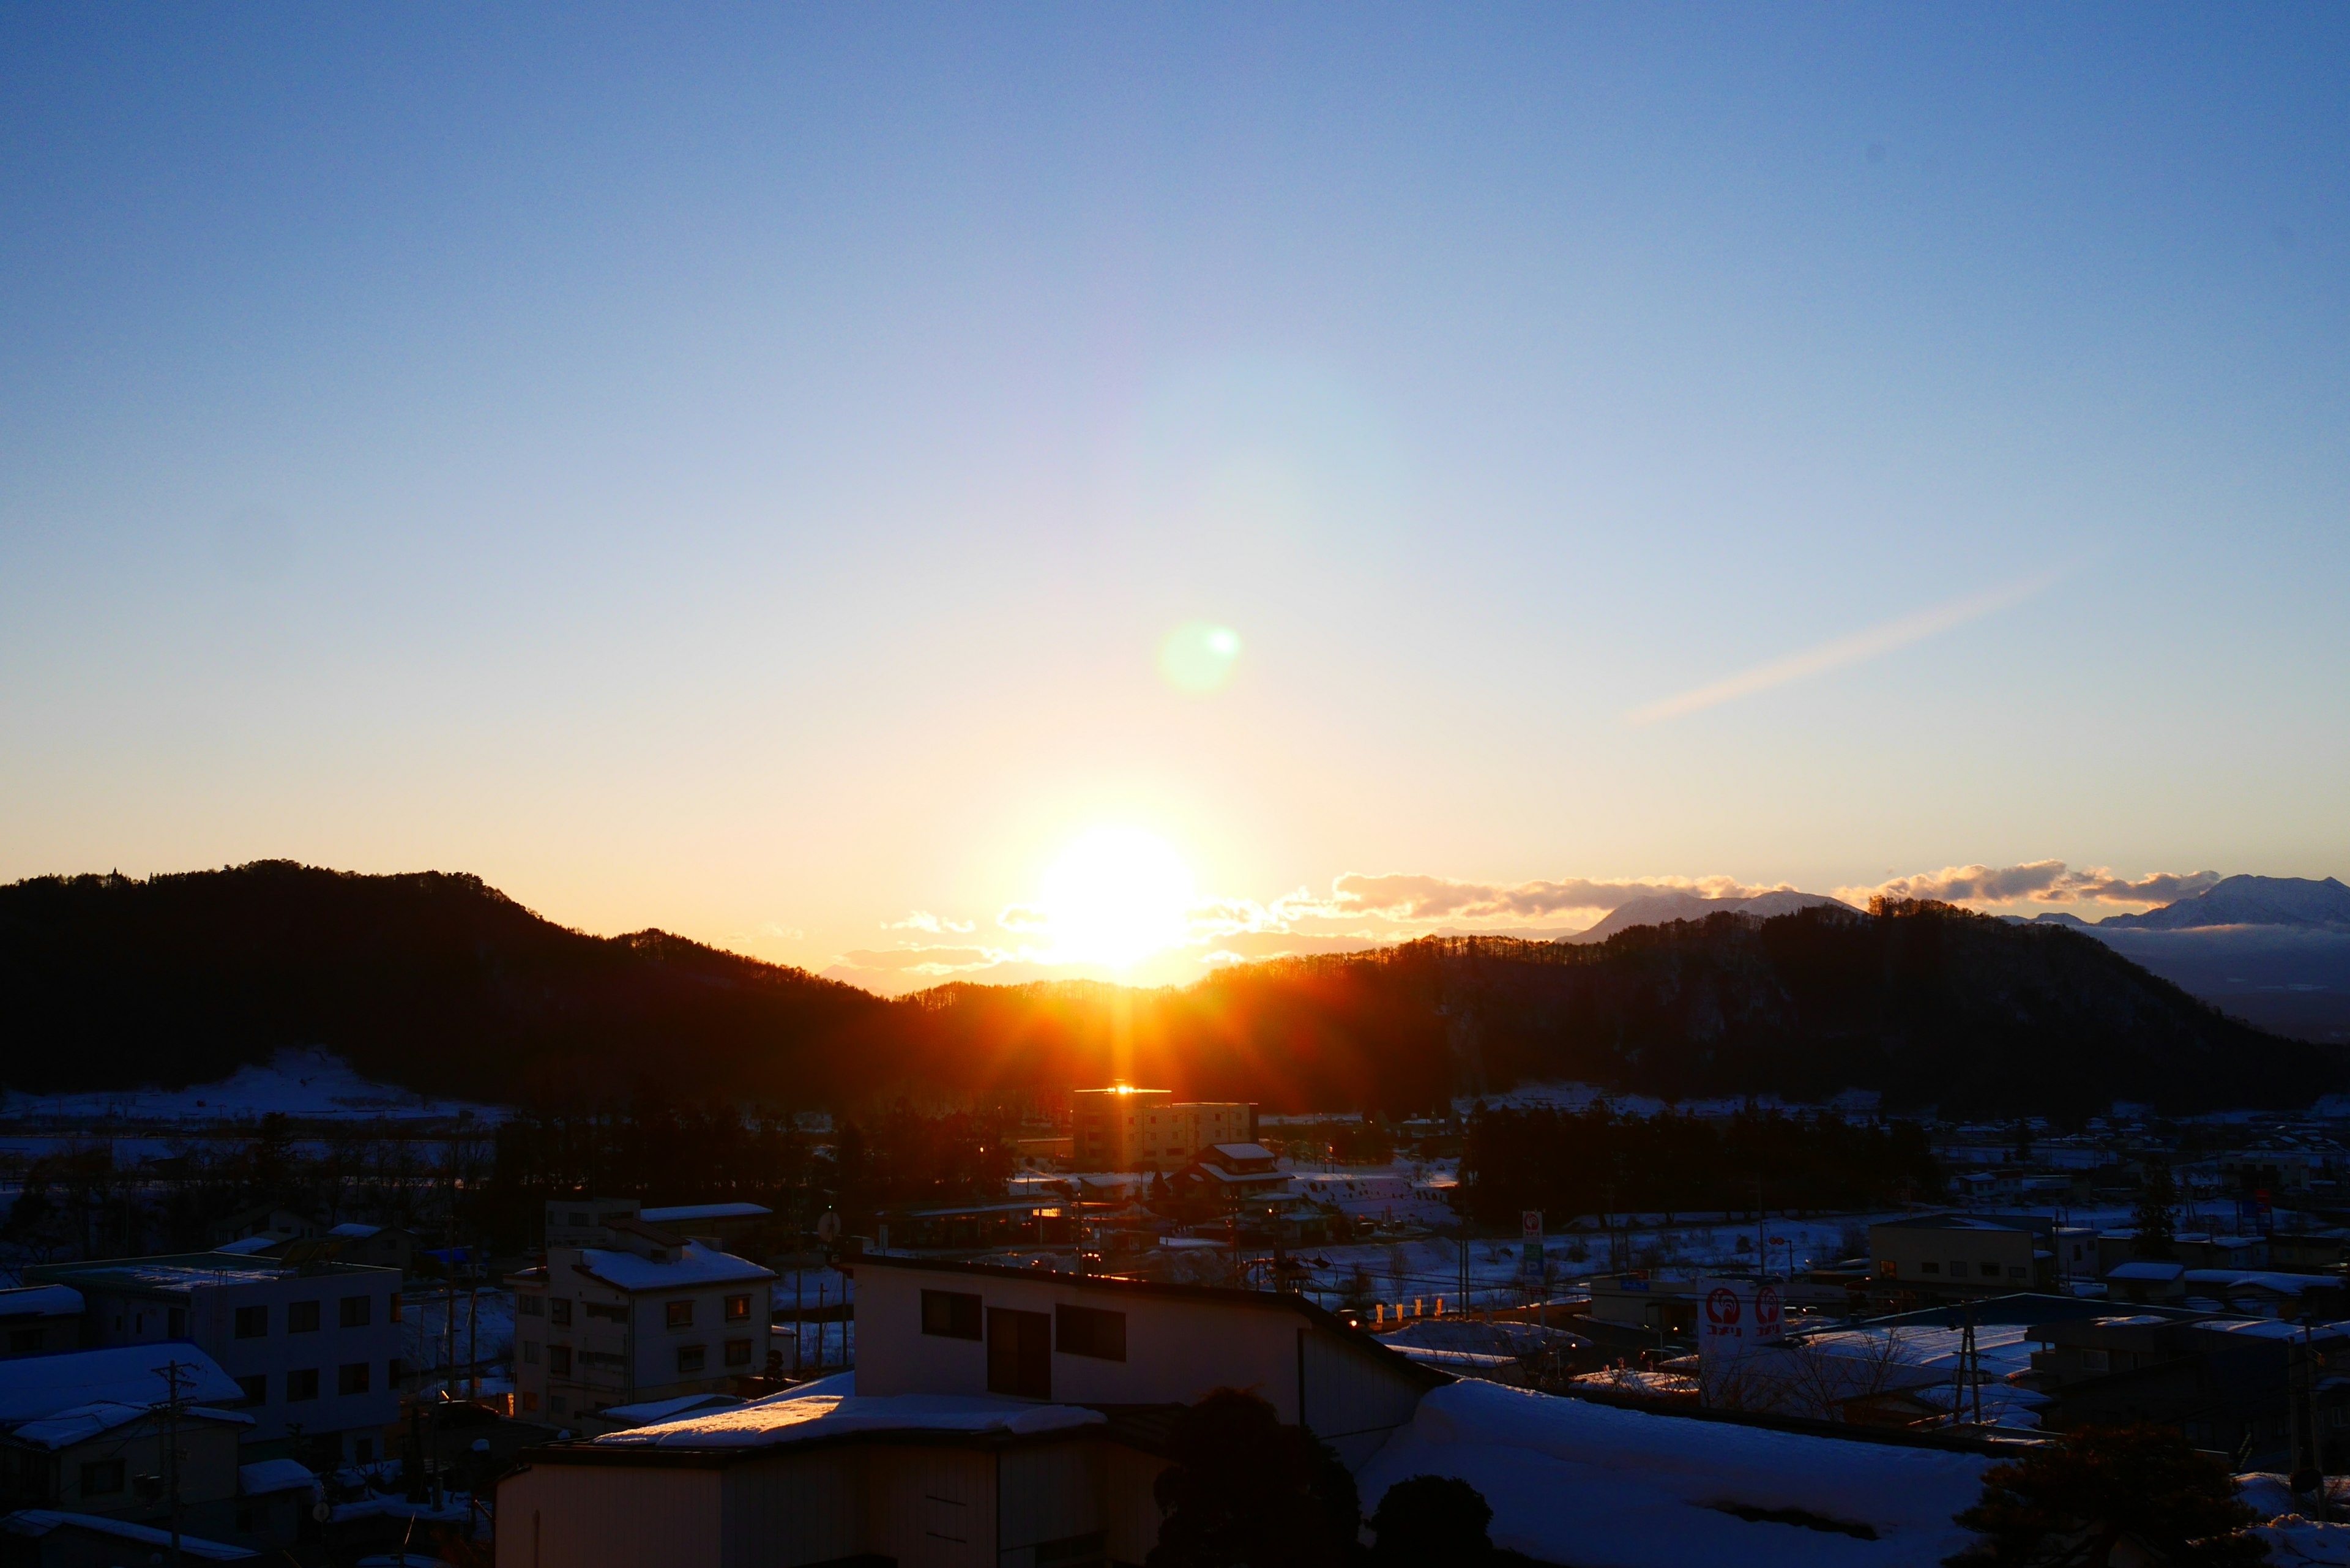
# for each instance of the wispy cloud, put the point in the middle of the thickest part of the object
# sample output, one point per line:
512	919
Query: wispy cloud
924	920
1852	650
2037	882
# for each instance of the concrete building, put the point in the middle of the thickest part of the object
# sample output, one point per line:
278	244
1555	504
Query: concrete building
315	1345
999	1417
1946	1256
1148	1130
652	1316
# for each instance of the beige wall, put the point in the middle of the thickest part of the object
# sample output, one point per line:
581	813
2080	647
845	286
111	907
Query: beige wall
1958	1258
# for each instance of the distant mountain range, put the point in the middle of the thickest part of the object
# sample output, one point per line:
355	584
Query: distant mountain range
2237	901
442	985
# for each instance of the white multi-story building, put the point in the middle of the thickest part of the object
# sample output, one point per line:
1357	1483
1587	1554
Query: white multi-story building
1150	1130
314	1346
652	1316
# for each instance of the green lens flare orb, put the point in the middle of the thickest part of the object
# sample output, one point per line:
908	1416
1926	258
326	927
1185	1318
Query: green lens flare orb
1198	656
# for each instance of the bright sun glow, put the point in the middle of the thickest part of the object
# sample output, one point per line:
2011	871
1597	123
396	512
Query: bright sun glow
1116	895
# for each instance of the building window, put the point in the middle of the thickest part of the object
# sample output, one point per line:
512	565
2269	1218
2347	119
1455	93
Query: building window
530	1353
256	1390
558	1312
1957	1270
529	1400
1930	1268
363	1450
558	1360
26	1341
689	1357
356	1313
101	1477
175	1323
1990	1270
1890	1269
302	1385
578	1219
1085	1330
252	1323
738	1353
2014	1272
395	1300
556	1403
738	1309
301	1317
679	1313
950	1314
351	1378
530	1306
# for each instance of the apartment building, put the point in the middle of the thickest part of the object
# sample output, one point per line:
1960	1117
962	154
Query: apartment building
313	1345
39	1319
652	1316
1948	1256
1122	1129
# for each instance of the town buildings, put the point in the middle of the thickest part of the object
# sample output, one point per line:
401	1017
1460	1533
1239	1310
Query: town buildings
314	1345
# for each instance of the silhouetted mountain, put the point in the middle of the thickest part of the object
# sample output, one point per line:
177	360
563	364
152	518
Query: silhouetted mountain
429	981
2248	901
1656	909
442	984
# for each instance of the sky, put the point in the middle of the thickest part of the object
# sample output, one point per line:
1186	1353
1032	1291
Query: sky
933	492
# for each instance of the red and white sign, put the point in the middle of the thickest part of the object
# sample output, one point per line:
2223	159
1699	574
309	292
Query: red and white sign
1721	1311
1530	1224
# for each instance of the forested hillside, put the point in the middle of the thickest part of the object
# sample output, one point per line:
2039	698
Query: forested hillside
439	983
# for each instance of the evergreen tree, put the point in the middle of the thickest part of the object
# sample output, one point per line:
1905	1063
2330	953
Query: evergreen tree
1247	1491
2156	1215
2108	1494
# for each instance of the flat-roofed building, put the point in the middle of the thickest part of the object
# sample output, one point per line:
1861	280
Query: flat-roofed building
1122	1129
1943	1256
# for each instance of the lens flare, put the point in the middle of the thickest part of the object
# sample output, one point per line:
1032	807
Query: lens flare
1116	895
1198	656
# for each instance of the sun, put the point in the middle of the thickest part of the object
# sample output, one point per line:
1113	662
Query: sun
1116	895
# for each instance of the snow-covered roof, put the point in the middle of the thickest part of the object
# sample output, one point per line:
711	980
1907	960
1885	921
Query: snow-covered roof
1243	1151
39	1522
1240	1178
2146	1268
171	1275
653	1411
694	1264
1571	1481
352	1231
2283	1284
80	1423
250	1244
831	1407
40	1301
33	1388
266	1475
689	1211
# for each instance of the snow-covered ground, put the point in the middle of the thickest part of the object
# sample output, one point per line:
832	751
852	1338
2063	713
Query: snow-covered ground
485	1329
301	1084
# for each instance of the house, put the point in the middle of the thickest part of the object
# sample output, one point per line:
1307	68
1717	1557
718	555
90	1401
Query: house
999	1417
376	1246
40	1320
652	1316
80	1431
1148	1130
2195	1249
314	1345
266	1219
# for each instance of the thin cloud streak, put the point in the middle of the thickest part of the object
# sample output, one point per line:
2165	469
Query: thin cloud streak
1844	650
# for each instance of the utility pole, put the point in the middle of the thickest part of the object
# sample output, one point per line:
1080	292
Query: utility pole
172	1372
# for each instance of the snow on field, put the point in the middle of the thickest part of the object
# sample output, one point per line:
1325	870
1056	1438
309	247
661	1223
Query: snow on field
304	1084
1571	1481
487	1321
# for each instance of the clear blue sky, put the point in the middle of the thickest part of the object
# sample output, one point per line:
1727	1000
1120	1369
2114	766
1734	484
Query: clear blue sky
735	469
